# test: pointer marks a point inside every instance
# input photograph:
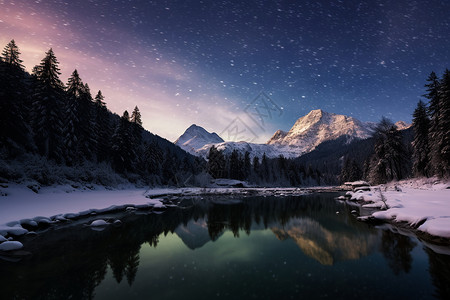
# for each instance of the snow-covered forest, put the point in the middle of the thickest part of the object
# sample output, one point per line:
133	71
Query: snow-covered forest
53	133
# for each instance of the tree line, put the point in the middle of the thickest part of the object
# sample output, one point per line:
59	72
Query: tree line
65	124
278	171
431	122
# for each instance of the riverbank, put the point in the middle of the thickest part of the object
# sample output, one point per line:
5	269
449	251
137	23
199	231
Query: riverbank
419	205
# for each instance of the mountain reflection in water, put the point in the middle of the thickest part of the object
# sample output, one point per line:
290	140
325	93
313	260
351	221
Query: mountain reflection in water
70	262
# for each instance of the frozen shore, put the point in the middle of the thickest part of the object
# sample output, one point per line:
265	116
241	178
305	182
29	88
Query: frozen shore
421	205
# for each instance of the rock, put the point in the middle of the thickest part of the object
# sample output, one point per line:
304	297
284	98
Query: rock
99	222
10	245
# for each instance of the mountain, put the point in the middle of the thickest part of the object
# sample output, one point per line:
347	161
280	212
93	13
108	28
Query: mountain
194	234
402	125
307	133
195	137
317	127
325	245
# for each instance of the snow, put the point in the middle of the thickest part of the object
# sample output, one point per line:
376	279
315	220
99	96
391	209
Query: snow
22	206
307	133
10	245
423	206
319	126
99	222
195	137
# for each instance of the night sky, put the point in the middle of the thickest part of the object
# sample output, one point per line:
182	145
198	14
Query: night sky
204	62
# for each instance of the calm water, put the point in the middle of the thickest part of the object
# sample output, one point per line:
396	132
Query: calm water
229	248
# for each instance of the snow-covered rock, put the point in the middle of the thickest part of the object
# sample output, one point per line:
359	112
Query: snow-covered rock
12	230
10	246
99	222
195	137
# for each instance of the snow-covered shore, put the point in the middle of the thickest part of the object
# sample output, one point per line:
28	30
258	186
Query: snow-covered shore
423	205
24	209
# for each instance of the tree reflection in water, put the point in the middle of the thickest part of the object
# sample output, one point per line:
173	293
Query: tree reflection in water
70	262
397	249
439	267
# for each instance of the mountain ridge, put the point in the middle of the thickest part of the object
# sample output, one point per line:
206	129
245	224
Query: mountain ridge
305	135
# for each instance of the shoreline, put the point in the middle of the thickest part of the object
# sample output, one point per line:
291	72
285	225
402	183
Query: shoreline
419	206
63	206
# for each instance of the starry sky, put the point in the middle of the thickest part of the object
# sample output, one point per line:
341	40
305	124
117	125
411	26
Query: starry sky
206	62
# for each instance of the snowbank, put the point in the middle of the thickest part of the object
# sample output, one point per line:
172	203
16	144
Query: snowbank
21	203
421	204
21	208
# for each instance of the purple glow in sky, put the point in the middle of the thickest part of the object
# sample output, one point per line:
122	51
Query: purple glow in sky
202	62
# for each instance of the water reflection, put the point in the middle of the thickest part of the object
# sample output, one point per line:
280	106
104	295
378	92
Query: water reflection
397	249
71	262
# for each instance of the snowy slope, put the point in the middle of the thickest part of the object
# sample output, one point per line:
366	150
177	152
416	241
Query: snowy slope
316	127
195	137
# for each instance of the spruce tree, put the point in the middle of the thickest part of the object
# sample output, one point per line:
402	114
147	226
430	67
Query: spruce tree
234	165
216	163
102	128
443	135
421	147
122	151
433	86
14	127
388	161
47	108
10	55
86	142
247	165
72	133
136	117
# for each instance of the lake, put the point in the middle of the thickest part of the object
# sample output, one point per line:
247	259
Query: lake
229	247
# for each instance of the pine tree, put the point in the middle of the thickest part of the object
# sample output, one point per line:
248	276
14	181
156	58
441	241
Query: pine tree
102	128
264	169
121	145
234	165
10	55
47	107
433	86
216	163
256	168
74	91
86	143
14	128
443	135
247	165
136	117
388	161
137	129
421	147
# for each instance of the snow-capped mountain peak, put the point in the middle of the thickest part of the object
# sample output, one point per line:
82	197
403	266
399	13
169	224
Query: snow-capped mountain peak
319	126
305	135
402	125
195	137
